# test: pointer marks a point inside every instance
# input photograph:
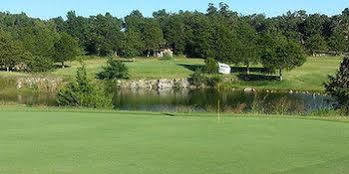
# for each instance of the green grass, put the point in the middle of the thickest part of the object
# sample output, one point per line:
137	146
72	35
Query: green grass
56	142
142	68
309	77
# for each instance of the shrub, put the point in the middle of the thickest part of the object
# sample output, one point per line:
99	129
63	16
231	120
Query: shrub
214	80
198	78
40	64
166	57
211	66
114	70
338	86
82	93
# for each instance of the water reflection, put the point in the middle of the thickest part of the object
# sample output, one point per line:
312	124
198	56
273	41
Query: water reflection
198	100
225	101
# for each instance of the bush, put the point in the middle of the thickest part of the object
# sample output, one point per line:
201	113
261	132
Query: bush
211	66
114	70
214	80
338	86
82	93
40	64
198	78
166	57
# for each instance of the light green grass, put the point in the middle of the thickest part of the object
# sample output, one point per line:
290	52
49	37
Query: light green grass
142	68
309	77
135	142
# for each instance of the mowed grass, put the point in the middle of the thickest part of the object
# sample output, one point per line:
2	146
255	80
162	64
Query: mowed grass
142	68
133	142
309	77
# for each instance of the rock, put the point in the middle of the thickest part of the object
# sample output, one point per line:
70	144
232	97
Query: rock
165	84
249	90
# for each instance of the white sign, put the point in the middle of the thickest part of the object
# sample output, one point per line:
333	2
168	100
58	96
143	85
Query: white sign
224	68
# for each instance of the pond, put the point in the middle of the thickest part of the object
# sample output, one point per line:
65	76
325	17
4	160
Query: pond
207	100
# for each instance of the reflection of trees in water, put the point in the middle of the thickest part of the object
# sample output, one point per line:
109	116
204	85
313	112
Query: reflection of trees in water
226	101
30	98
196	100
278	103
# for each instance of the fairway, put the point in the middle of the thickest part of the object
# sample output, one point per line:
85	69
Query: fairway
151	143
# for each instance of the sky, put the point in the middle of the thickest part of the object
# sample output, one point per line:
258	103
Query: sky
52	8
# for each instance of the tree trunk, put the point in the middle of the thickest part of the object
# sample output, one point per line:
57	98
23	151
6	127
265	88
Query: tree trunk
280	74
8	69
62	64
148	53
248	68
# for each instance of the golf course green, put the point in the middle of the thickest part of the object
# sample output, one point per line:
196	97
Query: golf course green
39	142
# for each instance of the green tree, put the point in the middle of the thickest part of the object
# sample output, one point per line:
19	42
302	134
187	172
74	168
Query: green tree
152	36
39	38
83	93
133	44
113	71
337	42
316	43
174	31
39	64
11	51
107	34
79	27
225	44
338	86
248	50
66	49
211	66
199	35
281	53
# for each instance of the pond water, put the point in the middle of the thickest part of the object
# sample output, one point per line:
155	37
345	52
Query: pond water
208	100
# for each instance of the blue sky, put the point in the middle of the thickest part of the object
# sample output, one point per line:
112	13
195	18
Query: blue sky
120	8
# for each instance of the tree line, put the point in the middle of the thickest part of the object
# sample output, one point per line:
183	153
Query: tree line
280	42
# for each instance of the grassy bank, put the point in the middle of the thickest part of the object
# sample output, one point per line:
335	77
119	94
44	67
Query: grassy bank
309	77
137	142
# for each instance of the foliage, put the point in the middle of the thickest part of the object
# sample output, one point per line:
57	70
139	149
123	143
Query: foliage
219	33
214	80
225	44
39	38
280	53
337	42
211	66
338	86
82	93
198	78
11	51
315	43
134	45
66	49
167	57
40	64
152	36
248	49
114	70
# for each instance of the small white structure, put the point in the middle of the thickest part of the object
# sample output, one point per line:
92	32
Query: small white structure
224	68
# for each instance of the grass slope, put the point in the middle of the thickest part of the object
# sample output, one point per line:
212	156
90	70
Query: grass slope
130	142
